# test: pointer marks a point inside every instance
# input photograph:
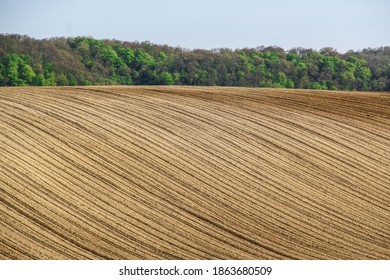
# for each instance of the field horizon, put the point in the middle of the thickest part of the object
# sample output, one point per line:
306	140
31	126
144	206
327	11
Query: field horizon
184	172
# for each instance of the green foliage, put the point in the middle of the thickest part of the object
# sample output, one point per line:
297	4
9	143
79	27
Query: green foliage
317	85
39	80
270	57
17	71
143	59
165	78
62	80
27	74
162	56
127	55
86	61
282	81
108	55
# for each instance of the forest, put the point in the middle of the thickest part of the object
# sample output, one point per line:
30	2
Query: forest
87	61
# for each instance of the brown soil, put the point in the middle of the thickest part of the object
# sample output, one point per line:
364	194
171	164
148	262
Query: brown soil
193	173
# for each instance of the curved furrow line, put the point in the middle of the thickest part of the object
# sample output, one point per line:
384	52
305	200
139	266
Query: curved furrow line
330	128
279	147
335	101
54	226
21	228
13	251
207	163
39	205
260	98
303	142
249	120
352	179
90	229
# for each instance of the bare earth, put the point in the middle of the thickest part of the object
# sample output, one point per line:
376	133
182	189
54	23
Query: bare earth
193	173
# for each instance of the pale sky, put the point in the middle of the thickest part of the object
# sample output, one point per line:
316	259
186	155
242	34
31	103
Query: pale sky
207	24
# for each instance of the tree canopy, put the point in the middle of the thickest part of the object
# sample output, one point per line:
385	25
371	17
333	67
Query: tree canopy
87	61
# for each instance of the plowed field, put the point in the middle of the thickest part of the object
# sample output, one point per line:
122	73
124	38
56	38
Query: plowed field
193	173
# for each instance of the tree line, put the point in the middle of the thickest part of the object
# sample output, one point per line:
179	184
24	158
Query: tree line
87	61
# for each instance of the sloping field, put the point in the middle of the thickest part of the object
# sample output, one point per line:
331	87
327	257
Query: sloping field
193	173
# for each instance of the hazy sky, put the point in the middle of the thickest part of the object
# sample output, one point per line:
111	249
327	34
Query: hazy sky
342	24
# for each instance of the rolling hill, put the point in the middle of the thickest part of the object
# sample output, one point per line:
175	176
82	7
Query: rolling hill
169	172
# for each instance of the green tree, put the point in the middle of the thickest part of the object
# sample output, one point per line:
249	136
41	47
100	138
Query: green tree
143	59
18	72
165	78
62	80
84	61
127	55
